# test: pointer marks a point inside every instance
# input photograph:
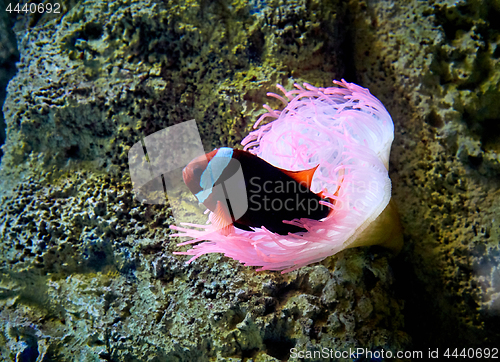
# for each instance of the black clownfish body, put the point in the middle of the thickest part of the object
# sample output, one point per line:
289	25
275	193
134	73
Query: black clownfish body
271	194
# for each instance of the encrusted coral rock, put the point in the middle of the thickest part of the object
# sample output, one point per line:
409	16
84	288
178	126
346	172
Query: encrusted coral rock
85	270
441	62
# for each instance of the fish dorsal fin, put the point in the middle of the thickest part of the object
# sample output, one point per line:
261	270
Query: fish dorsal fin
221	220
303	177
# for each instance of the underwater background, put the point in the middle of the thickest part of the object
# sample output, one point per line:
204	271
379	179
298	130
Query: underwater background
87	271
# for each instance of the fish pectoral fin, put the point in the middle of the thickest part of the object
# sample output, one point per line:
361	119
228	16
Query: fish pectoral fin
340	181
324	193
303	177
221	220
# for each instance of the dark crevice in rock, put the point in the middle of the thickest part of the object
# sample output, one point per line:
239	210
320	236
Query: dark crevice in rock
347	47
9	55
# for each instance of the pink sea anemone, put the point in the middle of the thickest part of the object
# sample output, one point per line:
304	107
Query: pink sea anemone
348	133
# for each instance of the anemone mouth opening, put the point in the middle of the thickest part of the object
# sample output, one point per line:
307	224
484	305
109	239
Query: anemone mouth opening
348	132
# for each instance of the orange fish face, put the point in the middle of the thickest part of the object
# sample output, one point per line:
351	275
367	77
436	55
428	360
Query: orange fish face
193	171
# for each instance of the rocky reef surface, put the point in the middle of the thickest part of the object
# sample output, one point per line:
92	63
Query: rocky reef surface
441	60
87	272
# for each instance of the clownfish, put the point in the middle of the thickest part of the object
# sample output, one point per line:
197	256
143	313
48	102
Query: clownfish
270	194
